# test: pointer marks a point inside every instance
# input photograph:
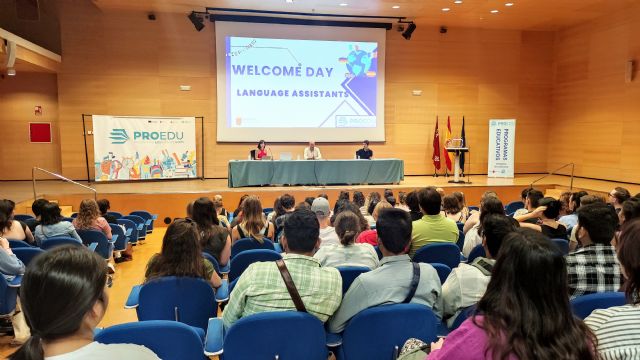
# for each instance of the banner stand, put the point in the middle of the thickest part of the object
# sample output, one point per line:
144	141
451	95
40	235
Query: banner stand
86	153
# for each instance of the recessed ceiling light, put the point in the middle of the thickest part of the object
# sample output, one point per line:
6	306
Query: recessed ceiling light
395	7
289	1
445	9
508	4
494	11
343	4
458	2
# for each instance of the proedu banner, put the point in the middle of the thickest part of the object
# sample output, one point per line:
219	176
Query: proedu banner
502	136
141	148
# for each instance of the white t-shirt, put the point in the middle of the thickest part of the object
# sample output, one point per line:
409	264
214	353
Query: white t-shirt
97	351
328	236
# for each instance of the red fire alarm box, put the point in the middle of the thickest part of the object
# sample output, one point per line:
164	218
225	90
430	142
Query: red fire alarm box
40	132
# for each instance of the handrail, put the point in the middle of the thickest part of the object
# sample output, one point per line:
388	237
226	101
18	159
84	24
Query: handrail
33	179
573	166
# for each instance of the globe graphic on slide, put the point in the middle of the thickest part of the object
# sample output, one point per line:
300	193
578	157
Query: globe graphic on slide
358	62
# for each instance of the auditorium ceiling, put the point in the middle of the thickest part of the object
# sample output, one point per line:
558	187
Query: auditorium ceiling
522	15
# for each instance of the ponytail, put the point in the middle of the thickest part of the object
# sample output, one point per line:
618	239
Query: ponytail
30	350
349	237
347	227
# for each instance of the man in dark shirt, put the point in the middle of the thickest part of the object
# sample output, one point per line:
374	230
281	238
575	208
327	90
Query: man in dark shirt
365	152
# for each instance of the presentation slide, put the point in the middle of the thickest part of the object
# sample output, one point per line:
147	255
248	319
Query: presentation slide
327	86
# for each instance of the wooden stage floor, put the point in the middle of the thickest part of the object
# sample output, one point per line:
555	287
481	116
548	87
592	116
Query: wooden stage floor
169	198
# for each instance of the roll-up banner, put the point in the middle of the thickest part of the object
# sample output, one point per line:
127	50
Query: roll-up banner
144	148
502	136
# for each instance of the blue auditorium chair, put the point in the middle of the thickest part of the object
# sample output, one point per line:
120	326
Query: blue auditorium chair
476	252
349	274
250	244
27	254
58	241
242	261
442	270
148	217
584	305
445	253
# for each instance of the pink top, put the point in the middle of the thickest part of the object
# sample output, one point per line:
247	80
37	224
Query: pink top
99	224
368	237
261	153
468	342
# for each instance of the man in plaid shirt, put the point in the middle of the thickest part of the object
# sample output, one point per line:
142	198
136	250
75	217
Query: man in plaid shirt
594	267
260	288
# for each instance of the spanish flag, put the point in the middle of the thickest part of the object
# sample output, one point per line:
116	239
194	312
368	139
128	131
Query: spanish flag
447	137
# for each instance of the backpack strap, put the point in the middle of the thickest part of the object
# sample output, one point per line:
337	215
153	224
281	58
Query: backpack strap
415	280
483	265
291	287
240	232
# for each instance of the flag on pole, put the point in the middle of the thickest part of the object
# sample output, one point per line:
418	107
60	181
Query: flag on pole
436	147
464	144
447	156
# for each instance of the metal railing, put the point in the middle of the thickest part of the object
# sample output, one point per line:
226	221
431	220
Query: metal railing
33	179
573	166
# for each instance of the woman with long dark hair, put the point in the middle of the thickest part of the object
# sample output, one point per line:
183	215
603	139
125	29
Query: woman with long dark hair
9	227
63	298
525	313
261	150
547	212
181	255
52	225
347	253
214	238
618	327
473	237
253	224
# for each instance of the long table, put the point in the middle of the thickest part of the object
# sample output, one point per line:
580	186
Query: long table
314	172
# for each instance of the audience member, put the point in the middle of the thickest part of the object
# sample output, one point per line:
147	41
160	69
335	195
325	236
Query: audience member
214	238
618	328
523	210
433	227
453	209
237	213
52	225
277	210
402	201
347	253
36	208
222	211
350	206
594	268
489	205
617	196
9	227
303	205
532	203
391	200
414	206
463	203
546	215
181	255
10	267
474	216
467	282
564	199
328	234
260	288
104	206
392	282
371	236
323	195
571	219
89	218
309	200
61	327
524	313
358	198
287	206
222	218
253	224
584	200
630	210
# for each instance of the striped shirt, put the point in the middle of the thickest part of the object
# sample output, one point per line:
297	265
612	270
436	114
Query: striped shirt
618	332
261	288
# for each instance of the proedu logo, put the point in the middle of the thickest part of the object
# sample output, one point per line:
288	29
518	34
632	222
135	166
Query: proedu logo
118	136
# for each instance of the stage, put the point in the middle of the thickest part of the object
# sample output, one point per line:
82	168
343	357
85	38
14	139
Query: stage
169	198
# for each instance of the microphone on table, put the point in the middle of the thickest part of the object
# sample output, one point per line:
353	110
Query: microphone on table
271	152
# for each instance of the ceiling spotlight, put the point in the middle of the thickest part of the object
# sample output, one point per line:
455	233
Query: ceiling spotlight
395	7
445	9
196	20
11	72
289	1
458	2
343	4
508	4
410	29
494	11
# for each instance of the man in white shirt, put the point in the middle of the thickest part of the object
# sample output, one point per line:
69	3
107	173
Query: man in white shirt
312	152
328	234
468	282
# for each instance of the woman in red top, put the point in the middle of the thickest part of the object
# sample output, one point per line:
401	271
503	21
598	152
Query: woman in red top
262	150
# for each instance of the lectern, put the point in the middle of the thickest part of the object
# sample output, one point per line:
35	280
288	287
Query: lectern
456	147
